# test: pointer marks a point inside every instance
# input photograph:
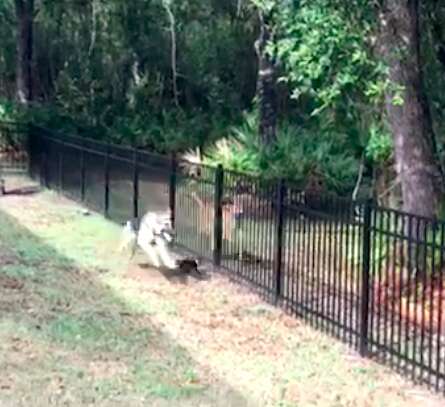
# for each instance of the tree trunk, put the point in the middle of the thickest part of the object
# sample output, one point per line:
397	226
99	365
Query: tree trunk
407	110
25	15
173	52
386	185
266	86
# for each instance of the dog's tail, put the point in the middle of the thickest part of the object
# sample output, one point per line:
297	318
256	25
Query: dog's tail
129	238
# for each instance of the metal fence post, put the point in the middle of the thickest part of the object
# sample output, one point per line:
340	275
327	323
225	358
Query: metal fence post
365	286
107	181
39	156
31	150
45	165
135	184
60	169
279	229
218	222
43	170
172	188
82	171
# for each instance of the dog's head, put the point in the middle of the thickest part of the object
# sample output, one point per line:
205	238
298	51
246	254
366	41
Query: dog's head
164	228
158	225
167	234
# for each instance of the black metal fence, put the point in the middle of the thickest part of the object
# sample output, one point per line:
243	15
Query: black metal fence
122	183
371	276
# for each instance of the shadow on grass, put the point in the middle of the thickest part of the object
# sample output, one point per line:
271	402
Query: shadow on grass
67	337
180	276
31	190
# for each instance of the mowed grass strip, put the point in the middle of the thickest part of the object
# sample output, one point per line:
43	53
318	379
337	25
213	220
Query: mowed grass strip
66	338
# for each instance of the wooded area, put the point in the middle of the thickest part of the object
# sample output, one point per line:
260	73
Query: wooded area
339	96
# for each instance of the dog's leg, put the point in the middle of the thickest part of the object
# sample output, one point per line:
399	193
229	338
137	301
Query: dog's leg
146	242
134	248
150	251
166	256
122	246
128	241
154	256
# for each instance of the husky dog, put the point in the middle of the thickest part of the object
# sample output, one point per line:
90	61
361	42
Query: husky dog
129	238
155	237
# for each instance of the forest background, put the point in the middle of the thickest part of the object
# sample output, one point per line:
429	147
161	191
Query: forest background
338	96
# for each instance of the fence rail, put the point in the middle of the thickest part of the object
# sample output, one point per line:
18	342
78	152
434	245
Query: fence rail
371	276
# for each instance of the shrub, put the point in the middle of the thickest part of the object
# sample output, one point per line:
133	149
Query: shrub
299	155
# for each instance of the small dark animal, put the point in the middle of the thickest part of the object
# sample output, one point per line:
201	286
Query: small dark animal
188	266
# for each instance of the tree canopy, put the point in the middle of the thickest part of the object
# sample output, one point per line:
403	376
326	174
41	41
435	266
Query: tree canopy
346	95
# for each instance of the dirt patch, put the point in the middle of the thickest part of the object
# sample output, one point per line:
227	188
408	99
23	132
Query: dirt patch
10	283
106	369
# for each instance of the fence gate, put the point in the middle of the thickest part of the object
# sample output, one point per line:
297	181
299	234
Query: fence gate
13	149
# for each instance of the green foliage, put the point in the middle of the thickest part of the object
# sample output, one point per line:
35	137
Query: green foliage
299	155
240	151
325	55
173	130
104	69
380	145
335	80
7	49
8	111
302	155
433	60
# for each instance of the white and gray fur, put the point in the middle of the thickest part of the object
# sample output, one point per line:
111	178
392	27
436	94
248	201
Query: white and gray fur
155	237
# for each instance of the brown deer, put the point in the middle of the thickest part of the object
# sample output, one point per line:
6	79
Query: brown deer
242	204
207	216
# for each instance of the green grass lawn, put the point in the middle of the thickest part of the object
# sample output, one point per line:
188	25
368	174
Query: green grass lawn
67	338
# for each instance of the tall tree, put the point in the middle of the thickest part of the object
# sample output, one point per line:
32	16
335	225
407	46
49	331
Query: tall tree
25	16
407	109
267	80
171	17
